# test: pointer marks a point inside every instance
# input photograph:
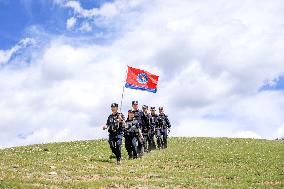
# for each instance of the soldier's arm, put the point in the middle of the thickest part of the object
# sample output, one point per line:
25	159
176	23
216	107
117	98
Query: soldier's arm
121	118
106	126
155	125
145	121
140	133
122	121
168	122
159	121
148	122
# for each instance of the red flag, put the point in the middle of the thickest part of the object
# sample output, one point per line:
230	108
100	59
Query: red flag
141	80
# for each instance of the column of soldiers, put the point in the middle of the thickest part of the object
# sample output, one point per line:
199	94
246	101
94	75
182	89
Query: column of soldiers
139	129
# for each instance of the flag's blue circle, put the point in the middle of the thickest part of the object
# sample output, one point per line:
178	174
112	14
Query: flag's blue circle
142	78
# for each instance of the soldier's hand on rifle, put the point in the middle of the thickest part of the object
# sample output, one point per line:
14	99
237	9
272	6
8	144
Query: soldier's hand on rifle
120	118
141	136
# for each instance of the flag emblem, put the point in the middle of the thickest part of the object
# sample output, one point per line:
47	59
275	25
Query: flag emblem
141	80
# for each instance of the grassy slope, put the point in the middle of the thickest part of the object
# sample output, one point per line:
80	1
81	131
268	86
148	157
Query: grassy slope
187	163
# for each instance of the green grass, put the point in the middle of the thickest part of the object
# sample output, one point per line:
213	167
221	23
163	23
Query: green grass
187	163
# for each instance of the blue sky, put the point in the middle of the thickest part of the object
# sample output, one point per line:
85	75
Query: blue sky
63	62
17	16
278	84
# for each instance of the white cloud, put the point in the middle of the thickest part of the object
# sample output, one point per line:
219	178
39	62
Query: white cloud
86	27
71	22
212	58
106	10
107	15
5	55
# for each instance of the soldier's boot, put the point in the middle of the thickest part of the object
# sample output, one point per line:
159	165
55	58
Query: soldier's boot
165	142
135	154
145	145
154	147
134	149
118	162
150	145
130	155
140	149
159	143
162	143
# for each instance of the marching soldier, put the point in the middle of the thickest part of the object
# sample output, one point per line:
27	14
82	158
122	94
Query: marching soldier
115	124
139	116
153	118
146	128
132	133
164	125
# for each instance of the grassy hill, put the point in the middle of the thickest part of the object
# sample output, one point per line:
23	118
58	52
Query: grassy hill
187	163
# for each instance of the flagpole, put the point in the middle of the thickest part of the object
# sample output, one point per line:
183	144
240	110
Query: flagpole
122	94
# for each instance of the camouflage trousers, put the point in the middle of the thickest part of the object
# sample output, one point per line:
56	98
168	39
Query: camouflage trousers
131	145
115	141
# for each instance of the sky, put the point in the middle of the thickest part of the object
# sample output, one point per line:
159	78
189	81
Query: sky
62	63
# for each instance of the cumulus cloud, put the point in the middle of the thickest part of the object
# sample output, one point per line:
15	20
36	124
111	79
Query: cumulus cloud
108	14
212	58
71	22
56	99
107	10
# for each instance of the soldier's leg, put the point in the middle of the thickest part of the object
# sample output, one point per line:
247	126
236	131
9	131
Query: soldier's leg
153	140
140	147
159	140
118	148
135	147
165	139
156	136
112	144
145	142
148	142
128	146
162	140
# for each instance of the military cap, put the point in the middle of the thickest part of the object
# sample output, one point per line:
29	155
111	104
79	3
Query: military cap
134	102
114	105
145	107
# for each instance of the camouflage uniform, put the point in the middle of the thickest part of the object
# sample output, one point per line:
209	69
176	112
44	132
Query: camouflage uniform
115	129
164	125
153	118
138	114
131	135
146	130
